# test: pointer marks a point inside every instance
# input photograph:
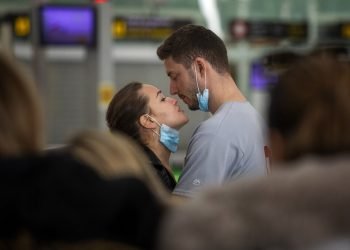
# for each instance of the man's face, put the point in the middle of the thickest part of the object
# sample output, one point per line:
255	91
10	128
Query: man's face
182	82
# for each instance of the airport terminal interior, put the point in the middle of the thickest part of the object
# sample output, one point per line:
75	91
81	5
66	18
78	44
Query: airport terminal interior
79	72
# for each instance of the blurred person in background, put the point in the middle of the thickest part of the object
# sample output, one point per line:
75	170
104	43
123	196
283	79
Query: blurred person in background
144	113
230	144
304	203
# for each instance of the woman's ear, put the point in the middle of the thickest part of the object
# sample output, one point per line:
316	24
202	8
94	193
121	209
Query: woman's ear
147	122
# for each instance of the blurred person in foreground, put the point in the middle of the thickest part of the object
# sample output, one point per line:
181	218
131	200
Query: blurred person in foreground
97	193
115	157
230	144
152	119
308	113
68	198
304	203
21	126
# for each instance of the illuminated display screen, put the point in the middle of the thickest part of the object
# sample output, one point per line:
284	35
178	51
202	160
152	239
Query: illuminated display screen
272	31
334	33
345	30
260	77
267	70
67	25
148	28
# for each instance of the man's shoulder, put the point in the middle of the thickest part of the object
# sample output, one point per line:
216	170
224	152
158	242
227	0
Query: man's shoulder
208	128
232	115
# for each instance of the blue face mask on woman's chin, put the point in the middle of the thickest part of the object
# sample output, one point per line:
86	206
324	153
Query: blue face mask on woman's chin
168	136
203	98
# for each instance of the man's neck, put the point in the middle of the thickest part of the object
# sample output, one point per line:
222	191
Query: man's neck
224	89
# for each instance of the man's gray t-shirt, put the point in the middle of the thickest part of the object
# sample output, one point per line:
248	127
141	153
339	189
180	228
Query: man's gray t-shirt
227	146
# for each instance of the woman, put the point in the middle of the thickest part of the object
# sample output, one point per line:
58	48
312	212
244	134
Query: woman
152	119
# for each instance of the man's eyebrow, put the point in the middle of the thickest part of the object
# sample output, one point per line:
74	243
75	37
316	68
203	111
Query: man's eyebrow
158	92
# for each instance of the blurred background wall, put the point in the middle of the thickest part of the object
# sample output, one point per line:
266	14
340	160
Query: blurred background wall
78	80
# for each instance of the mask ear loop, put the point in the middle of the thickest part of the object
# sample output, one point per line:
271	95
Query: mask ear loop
152	119
195	70
205	79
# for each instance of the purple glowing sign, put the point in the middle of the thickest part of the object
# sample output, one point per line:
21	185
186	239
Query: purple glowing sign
260	77
67	25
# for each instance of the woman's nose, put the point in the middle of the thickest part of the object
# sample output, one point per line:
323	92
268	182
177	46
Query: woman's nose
172	100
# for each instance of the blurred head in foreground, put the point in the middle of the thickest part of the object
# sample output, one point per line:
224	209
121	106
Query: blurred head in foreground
309	110
116	155
21	127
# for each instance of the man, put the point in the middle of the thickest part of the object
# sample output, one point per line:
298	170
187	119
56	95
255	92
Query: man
228	145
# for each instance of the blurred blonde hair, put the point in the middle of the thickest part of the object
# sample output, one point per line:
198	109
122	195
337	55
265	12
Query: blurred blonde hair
115	155
21	127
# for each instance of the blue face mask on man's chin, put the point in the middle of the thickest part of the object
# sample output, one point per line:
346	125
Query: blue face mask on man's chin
168	136
203	98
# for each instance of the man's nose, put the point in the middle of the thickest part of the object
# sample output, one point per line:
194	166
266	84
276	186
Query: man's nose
173	88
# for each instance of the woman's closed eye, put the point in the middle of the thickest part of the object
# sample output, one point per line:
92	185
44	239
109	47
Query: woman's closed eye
162	97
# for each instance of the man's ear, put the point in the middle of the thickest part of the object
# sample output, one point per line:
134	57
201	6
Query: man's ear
147	122
200	64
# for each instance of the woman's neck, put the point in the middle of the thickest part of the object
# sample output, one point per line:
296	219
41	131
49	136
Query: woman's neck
162	153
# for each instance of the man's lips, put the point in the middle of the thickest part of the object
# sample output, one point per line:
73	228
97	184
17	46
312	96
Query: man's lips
183	98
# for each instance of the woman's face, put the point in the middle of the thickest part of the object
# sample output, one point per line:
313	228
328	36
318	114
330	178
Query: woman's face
164	109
